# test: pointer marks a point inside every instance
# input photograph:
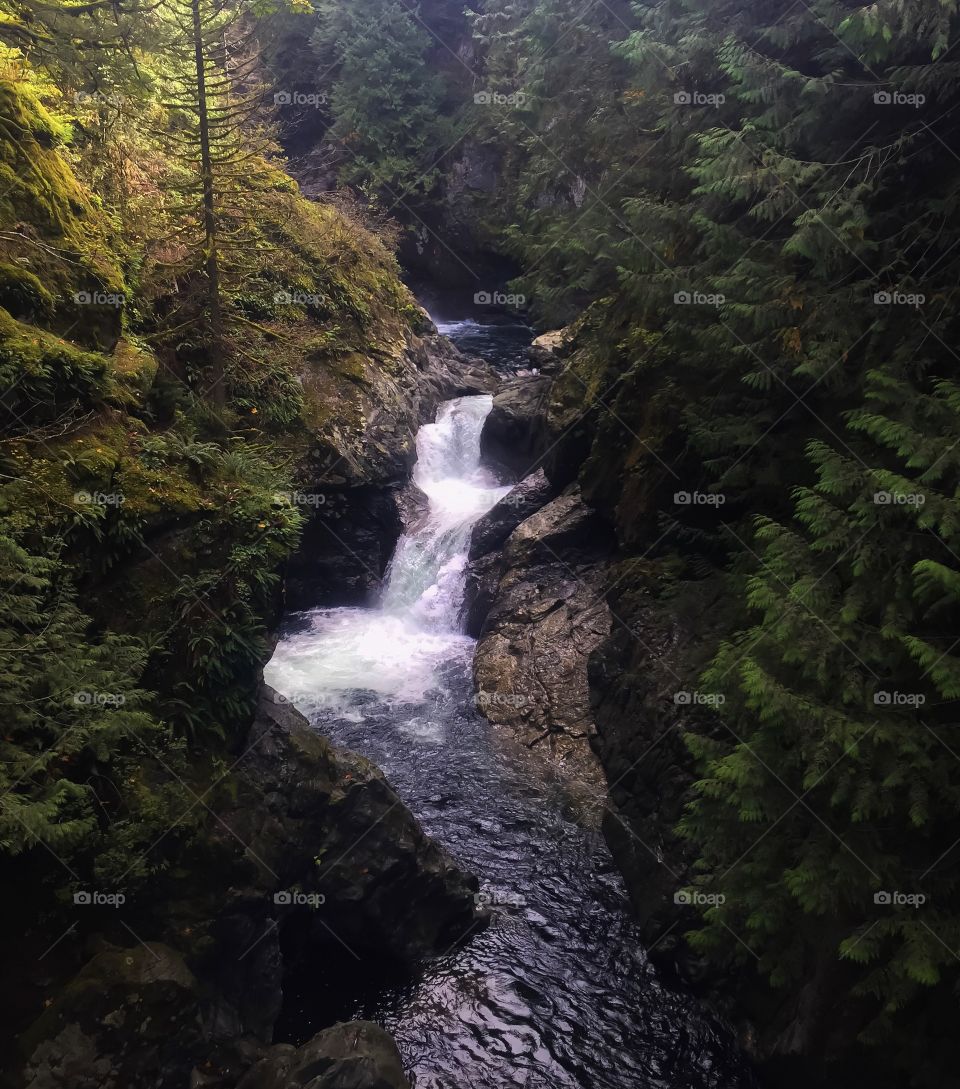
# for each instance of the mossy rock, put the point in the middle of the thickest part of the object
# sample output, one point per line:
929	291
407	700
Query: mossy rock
44	377
23	294
62	238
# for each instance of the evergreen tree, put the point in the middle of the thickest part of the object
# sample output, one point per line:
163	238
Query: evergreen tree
385	98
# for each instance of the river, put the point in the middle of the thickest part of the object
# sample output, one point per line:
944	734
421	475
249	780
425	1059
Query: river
557	991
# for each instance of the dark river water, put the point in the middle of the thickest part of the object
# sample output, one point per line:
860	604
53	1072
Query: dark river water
557	991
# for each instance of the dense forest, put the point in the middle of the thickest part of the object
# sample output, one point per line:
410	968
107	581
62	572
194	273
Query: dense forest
741	219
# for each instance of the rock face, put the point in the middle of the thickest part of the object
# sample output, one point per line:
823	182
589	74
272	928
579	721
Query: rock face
514	436
546	615
313	852
641	711
130	1017
351	1055
351	478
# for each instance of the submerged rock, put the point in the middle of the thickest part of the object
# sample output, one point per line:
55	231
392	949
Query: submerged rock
351	1055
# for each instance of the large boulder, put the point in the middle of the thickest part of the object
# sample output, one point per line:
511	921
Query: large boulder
514	436
350	1055
309	852
546	615
130	1017
547	350
492	530
329	846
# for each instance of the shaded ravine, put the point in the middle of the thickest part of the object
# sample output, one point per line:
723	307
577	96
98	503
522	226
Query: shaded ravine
557	991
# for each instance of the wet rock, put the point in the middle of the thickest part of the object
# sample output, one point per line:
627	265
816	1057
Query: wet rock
514	435
547	615
413	506
351	479
351	1055
332	851
480	592
130	1017
492	530
345	548
548	349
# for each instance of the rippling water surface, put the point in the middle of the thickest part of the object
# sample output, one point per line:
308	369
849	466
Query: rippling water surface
557	992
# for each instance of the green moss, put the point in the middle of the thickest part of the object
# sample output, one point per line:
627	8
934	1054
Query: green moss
42	377
23	294
64	239
352	365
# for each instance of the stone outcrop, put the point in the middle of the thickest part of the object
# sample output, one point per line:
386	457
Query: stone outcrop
514	436
352	477
546	614
526	498
313	851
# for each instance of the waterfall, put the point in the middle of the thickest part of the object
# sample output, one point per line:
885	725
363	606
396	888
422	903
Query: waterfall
425	578
396	648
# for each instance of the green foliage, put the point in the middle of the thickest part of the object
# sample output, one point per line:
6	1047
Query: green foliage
70	701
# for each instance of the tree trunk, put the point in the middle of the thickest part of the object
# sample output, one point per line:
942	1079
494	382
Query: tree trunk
217	391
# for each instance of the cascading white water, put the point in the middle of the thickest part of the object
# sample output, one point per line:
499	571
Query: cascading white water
395	649
426	573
